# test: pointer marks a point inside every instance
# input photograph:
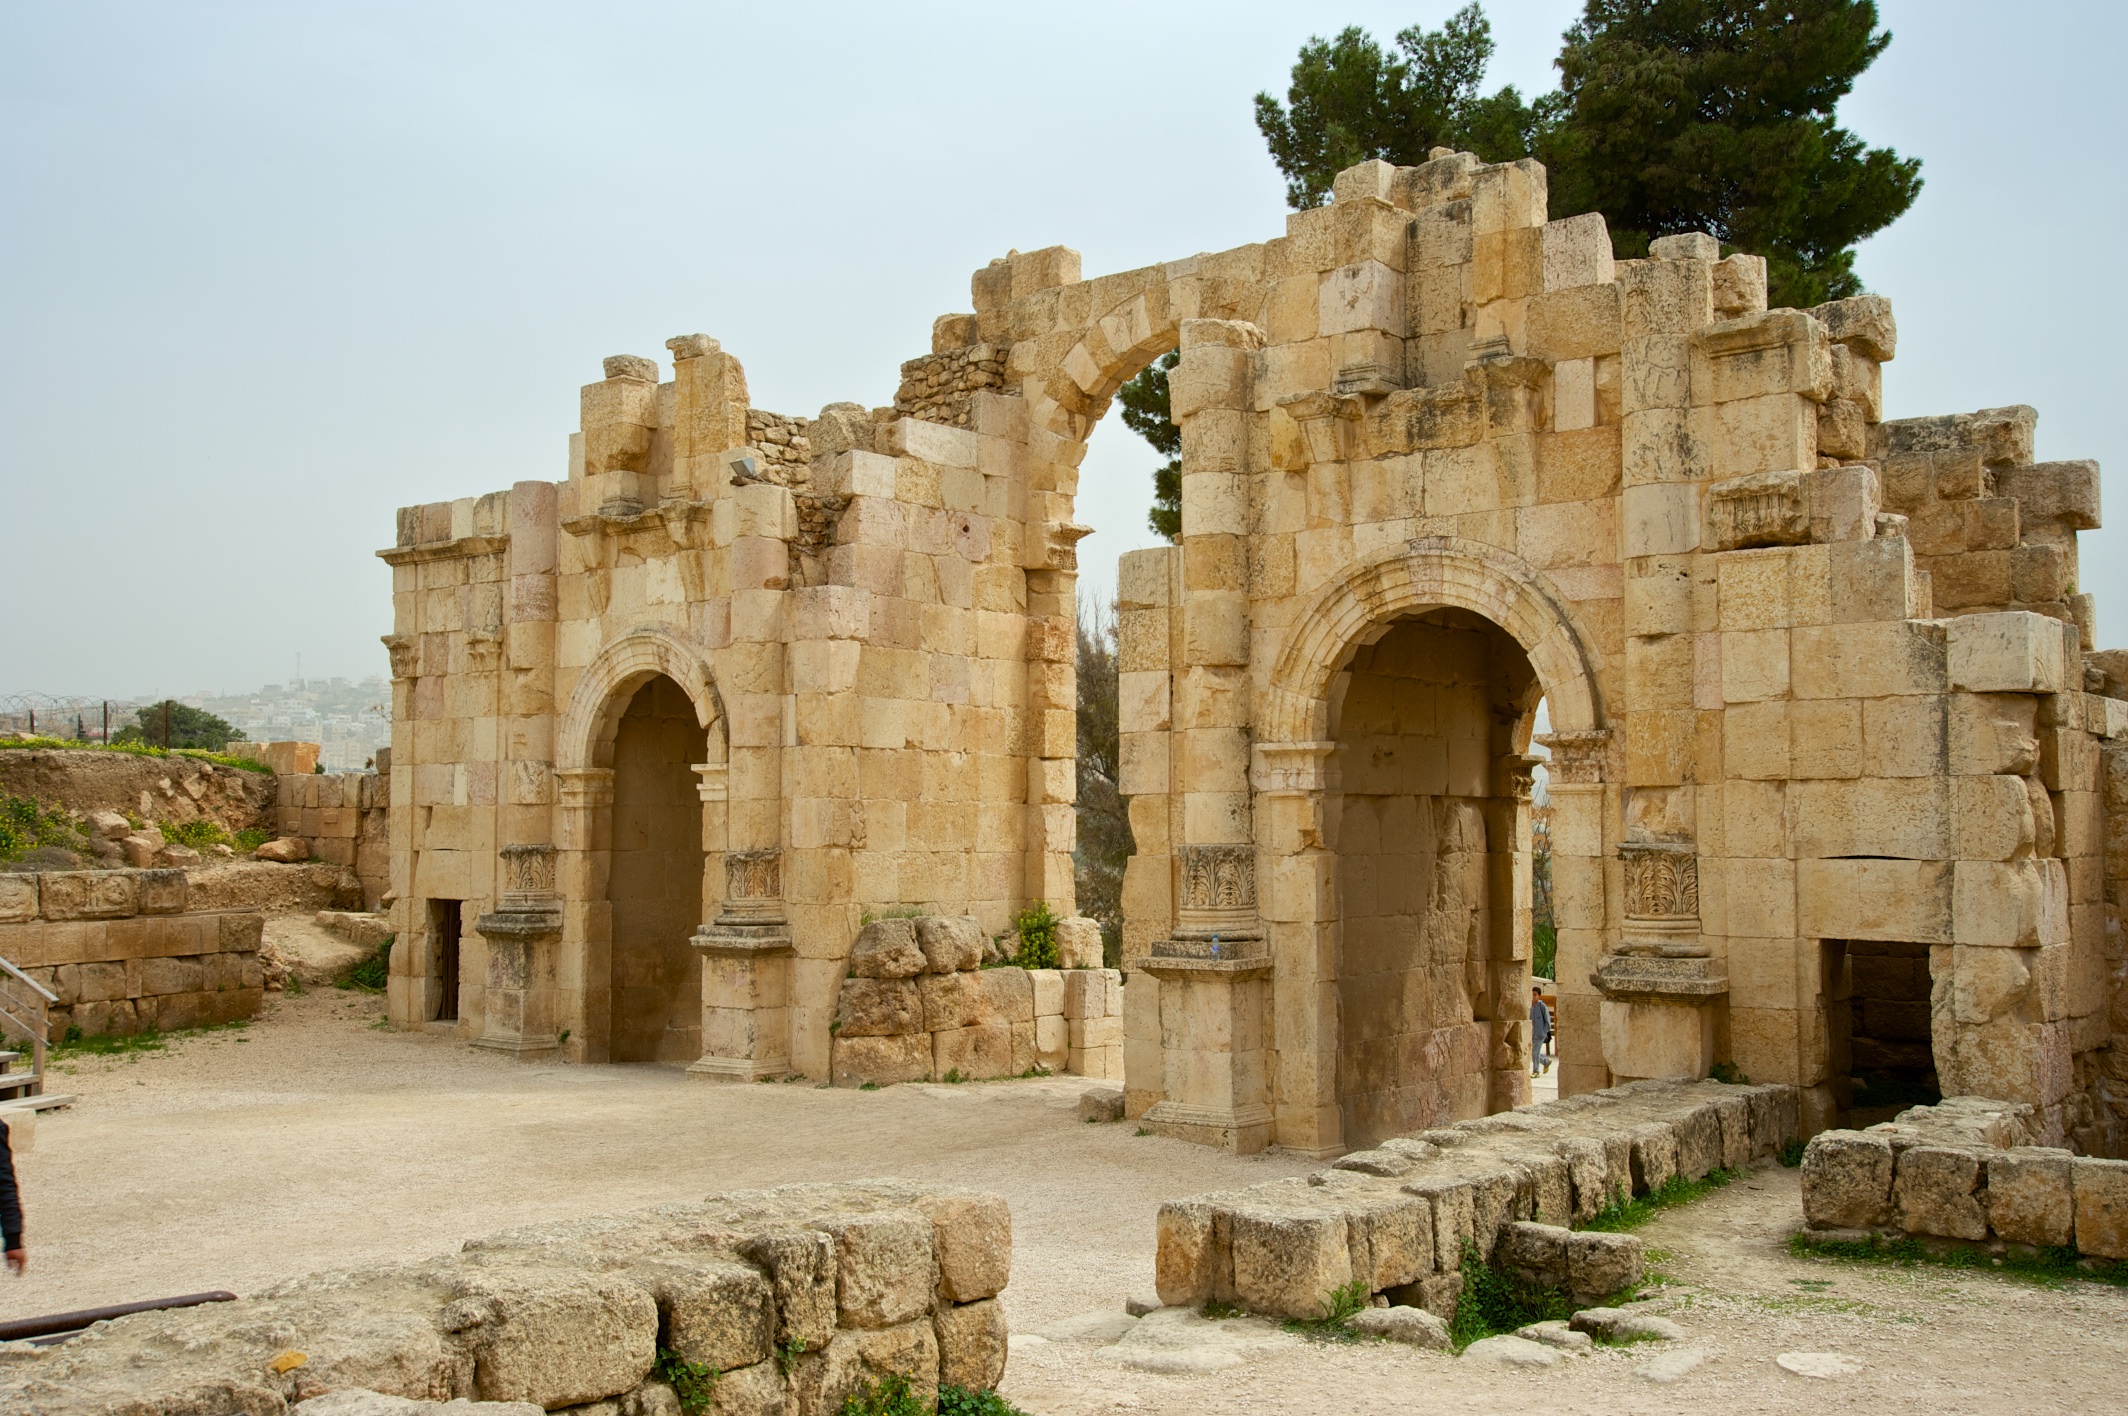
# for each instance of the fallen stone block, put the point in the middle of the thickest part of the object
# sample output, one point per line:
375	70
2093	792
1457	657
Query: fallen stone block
1101	1104
1414	1326
887	948
1556	1333
1600	1264
284	850
1510	1352
972	1234
950	943
2101	1207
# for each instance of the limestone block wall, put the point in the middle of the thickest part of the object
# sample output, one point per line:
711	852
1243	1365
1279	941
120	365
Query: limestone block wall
919	1005
1399	1216
1964	1170
346	817
124	953
869	1279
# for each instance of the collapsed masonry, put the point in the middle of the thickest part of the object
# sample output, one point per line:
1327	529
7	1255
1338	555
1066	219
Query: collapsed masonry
1818	684
794	1299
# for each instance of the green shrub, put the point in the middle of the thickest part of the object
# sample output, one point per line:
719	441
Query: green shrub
1730	1073
200	834
25	826
251	838
1037	926
1544	950
1790	1154
1338	1304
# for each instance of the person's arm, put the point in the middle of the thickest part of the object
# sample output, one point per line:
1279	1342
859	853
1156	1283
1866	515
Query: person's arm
10	1206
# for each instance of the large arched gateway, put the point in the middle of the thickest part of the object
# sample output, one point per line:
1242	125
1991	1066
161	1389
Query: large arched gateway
1827	727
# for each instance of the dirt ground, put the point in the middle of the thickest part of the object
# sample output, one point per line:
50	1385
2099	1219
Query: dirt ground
314	1138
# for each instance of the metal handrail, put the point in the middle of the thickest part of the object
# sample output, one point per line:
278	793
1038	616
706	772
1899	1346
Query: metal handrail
60	1326
49	996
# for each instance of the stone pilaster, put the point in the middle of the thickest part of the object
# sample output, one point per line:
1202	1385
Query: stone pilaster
746	973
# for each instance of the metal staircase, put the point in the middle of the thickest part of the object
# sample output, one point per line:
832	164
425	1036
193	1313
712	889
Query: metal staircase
25	1015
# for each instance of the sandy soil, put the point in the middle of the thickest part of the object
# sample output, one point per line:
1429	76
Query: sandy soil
314	1139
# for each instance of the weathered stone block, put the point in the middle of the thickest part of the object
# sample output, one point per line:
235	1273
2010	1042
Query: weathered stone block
973	1237
88	894
723	1315
1847	1180
802	1267
887	948
886	1267
1287	1263
554	1337
1600	1264
18	898
881	1007
1932	1192
2030	1198
882	1061
950	943
971	1344
2101	1206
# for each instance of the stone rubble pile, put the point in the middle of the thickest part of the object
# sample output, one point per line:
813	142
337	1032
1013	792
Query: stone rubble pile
798	1297
919	1005
1398	1218
1962	1170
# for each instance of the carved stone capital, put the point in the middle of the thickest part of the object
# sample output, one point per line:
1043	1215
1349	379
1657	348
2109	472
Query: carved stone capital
1662	880
1218	905
753	888
405	653
1578	759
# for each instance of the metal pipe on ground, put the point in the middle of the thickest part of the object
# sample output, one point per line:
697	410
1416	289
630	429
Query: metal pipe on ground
58	1327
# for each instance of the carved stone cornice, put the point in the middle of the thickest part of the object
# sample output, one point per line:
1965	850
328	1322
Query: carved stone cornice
713	780
455	549
583	788
1294	768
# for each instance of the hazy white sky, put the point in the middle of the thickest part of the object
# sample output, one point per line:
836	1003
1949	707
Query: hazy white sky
273	270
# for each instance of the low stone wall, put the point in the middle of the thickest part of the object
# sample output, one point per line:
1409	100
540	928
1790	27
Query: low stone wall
1397	1217
123	951
346	819
918	1005
1962	1170
873	1278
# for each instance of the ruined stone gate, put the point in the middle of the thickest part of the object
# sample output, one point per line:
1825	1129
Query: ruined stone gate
1828	752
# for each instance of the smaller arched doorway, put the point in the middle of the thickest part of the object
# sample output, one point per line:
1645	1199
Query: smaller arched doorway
1429	818
654	881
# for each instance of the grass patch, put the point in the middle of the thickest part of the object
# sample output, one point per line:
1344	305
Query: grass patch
74	1043
1495	1302
1790	1154
137	749
2050	1267
368	975
1627	1214
1338	1305
1216	1310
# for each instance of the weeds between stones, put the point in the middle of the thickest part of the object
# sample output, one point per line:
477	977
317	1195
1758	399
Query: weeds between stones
1495	1302
1338	1305
1623	1215
74	1043
2049	1267
694	1383
891	1396
1790	1154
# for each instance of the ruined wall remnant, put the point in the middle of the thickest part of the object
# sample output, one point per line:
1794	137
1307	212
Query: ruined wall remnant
795	1298
1817	682
126	951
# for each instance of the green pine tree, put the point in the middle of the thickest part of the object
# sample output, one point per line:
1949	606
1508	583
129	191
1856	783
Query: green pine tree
1145	412
1672	116
189	727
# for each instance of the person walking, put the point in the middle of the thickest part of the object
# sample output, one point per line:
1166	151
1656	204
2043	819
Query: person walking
18	1258
1540	1022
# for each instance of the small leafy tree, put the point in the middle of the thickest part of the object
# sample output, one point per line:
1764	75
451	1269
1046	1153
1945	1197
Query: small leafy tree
1146	413
189	727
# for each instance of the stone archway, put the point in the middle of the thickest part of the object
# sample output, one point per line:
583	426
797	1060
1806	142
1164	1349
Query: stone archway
1445	585
587	736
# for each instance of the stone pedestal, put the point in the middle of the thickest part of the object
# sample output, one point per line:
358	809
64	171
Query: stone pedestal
1213	1046
1662	986
746	975
522	937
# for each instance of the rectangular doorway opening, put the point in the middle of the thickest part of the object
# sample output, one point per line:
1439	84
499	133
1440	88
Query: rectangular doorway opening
444	930
1891	1047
